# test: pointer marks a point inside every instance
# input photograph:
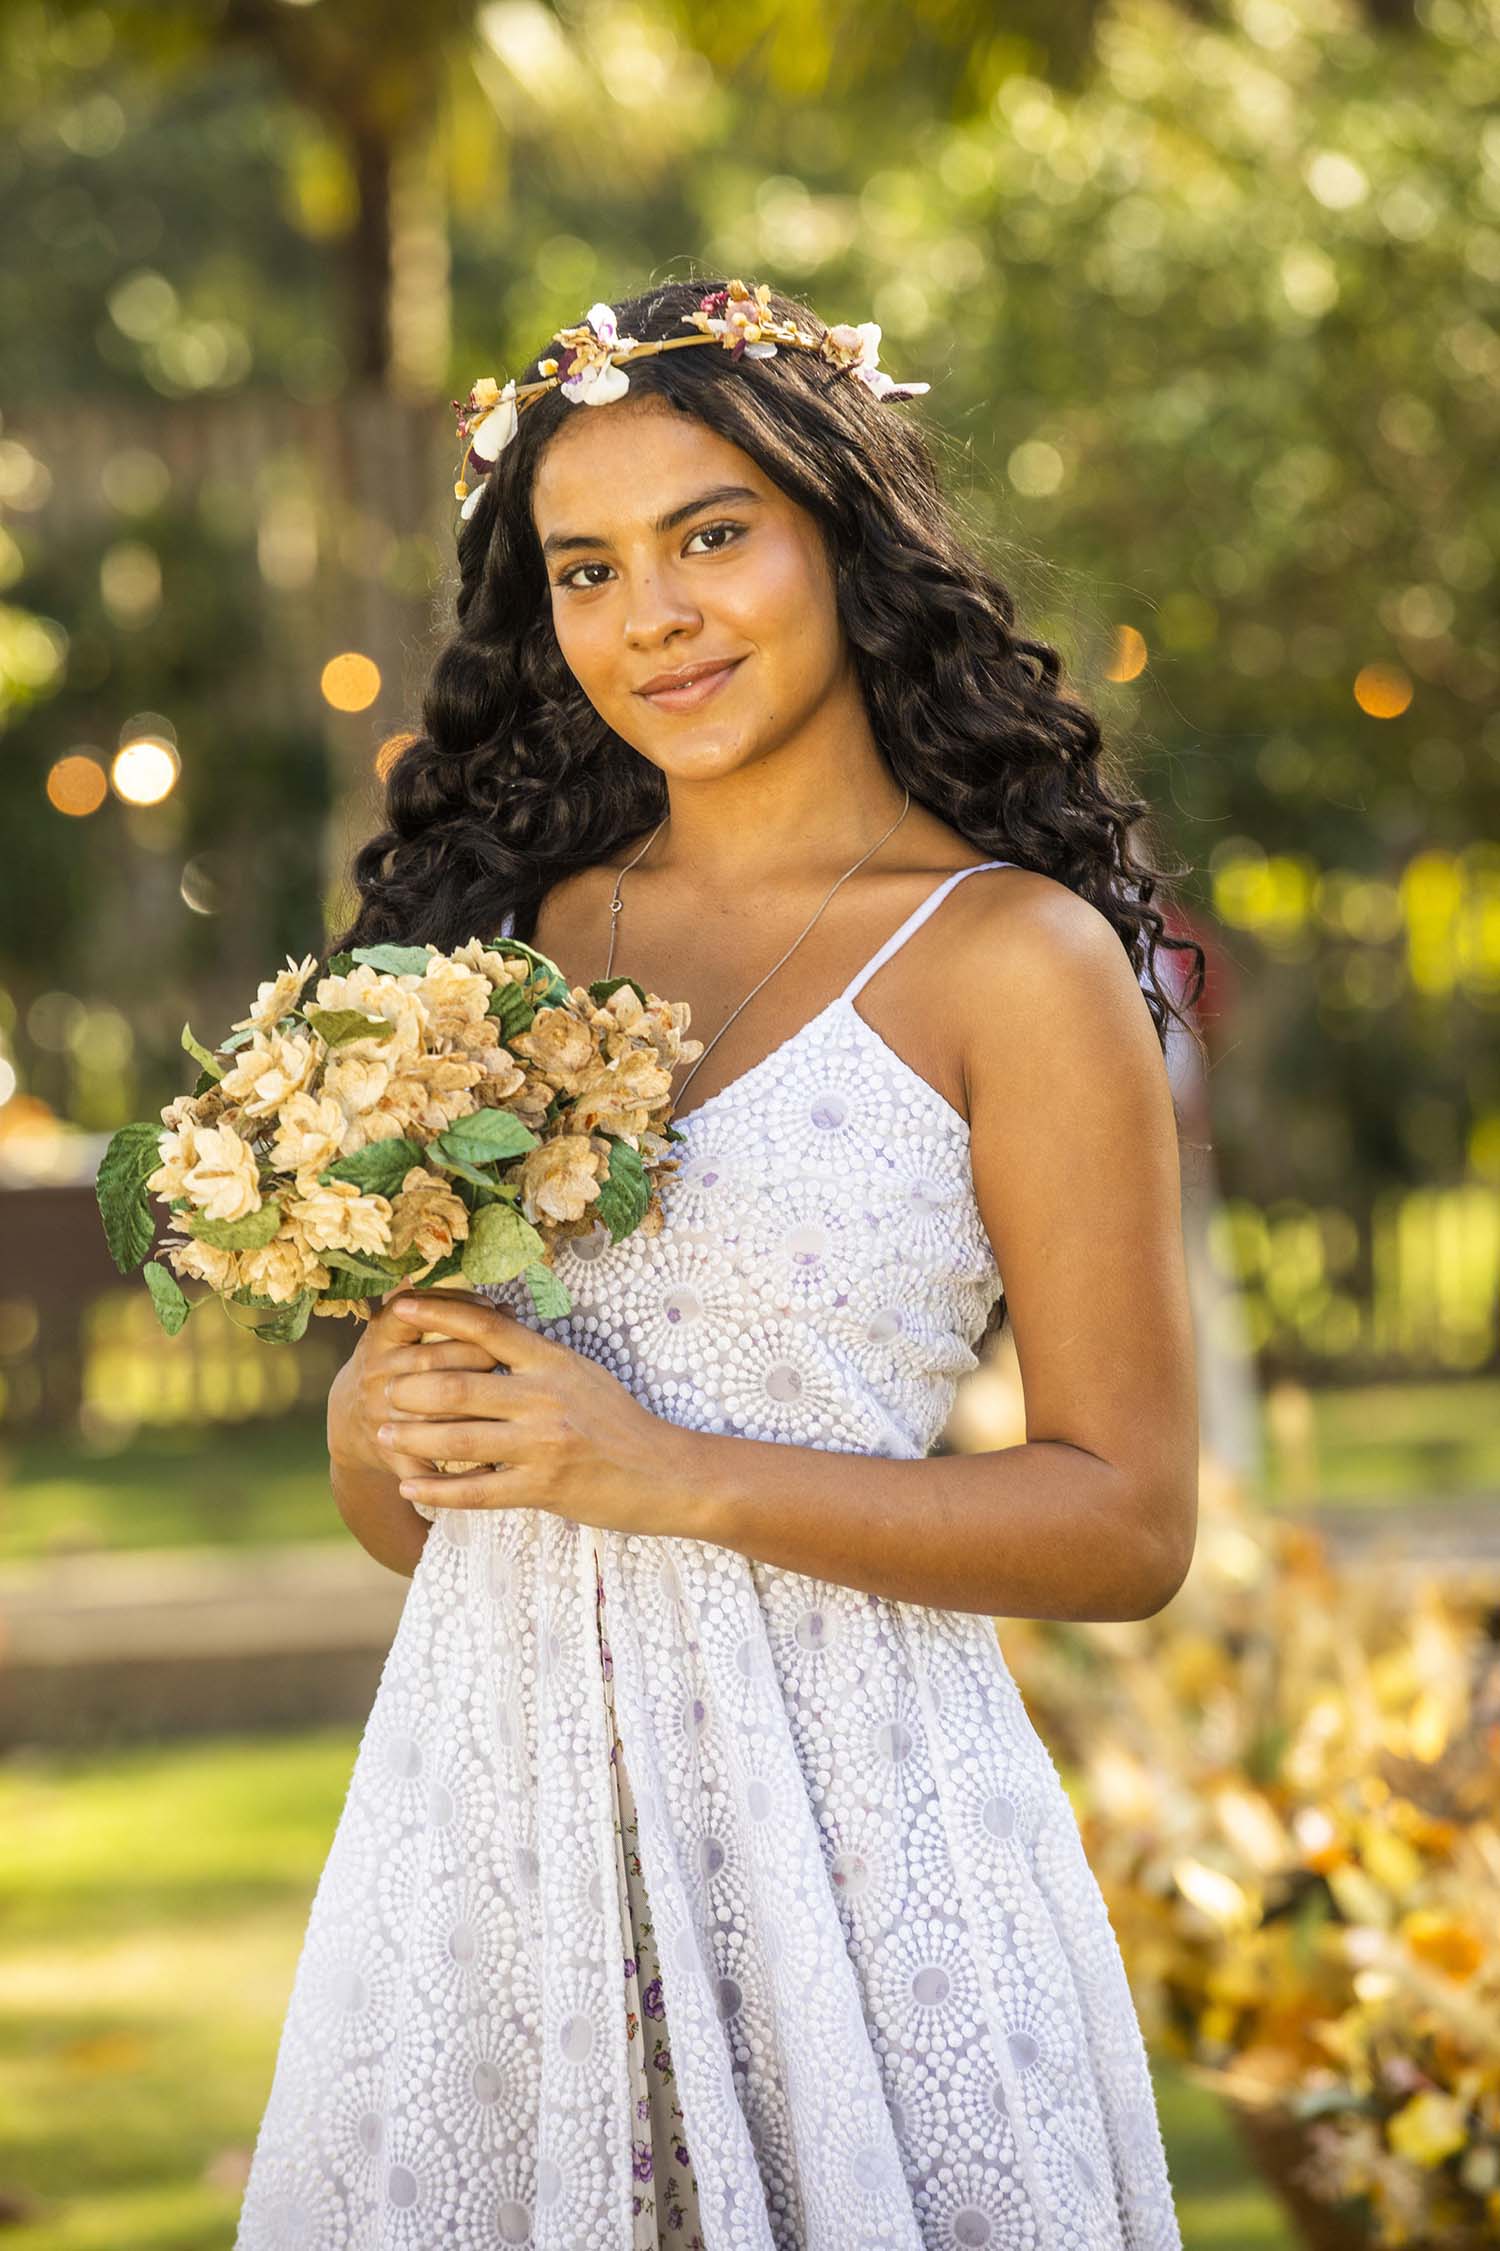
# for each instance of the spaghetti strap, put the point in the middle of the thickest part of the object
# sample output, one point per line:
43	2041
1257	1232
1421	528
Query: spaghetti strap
915	919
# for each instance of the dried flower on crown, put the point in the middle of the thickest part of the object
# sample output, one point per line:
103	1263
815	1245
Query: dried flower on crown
588	369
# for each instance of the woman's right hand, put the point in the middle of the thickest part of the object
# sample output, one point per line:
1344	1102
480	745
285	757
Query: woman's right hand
358	1402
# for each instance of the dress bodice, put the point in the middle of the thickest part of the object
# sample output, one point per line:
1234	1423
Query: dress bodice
823	1272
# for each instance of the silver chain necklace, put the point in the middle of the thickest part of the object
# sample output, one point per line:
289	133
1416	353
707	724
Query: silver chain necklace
614	916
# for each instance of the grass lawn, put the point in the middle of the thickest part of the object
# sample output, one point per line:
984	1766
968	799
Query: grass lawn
151	1908
236	1484
1387	1444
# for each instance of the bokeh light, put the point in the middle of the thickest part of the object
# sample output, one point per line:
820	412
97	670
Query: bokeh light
77	784
145	771
350	682
1129	657
1383	691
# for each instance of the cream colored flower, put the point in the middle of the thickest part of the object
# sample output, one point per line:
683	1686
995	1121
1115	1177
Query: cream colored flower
561	1047
381	1124
374	993
357	1076
203	1262
456	998
183	1110
561	1177
223	1182
499	969
309	1134
270	1070
621	1097
279	998
449	1082
427	1216
338	1216
179	1153
362	1308
503	1077
283	1268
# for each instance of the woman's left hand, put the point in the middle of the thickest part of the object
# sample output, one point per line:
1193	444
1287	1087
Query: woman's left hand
572	1439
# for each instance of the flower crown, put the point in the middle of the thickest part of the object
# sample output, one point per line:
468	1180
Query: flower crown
589	372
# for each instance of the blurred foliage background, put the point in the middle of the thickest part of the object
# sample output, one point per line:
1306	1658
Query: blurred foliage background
1208	292
1207	297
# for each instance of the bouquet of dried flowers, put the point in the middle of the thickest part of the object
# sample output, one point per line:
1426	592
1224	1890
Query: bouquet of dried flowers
424	1115
1288	1783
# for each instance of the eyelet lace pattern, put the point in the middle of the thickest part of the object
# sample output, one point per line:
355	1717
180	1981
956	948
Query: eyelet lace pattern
897	2009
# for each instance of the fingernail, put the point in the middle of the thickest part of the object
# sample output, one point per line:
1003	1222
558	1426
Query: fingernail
387	1431
408	1489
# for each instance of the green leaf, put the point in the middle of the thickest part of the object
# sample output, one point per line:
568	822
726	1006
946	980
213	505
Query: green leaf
549	985
464	1170
172	1307
445	1267
250	1233
288	1322
339	965
379	1168
501	1243
485	1137
202	1054
395	961
243	1039
602	987
134	1152
512	1011
362	1262
549	1295
625	1195
339	1025
356	1281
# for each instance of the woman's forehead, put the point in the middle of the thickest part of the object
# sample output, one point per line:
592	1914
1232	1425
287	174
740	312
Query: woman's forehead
629	463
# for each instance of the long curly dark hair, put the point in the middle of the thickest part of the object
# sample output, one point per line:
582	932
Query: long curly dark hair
514	781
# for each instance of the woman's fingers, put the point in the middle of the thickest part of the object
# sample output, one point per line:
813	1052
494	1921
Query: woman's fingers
479	1442
486	1392
405	1359
477	1488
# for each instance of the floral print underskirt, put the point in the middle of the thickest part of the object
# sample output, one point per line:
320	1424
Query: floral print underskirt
665	2198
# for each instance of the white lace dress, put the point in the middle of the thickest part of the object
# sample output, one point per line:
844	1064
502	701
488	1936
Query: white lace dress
898	2013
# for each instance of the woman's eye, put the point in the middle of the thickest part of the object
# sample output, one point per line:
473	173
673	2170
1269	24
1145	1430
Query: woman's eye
706	531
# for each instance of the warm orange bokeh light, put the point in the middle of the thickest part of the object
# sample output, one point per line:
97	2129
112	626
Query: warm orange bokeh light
1130	655
76	784
351	682
1382	690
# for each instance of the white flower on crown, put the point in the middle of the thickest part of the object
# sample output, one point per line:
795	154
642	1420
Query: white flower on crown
594	380
861	342
493	434
499	425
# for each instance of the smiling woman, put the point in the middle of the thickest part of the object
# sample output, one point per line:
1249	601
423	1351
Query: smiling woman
702	1880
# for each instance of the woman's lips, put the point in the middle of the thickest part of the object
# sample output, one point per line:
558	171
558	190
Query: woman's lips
697	691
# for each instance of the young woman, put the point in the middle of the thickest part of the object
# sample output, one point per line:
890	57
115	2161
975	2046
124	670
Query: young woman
702	1880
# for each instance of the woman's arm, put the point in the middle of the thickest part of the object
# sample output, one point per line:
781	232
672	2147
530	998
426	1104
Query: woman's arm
1074	1153
366	1493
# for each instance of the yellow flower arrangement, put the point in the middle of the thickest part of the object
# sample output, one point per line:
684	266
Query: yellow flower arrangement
424	1115
1288	1782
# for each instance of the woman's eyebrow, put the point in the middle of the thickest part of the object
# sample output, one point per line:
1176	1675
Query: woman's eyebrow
560	543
